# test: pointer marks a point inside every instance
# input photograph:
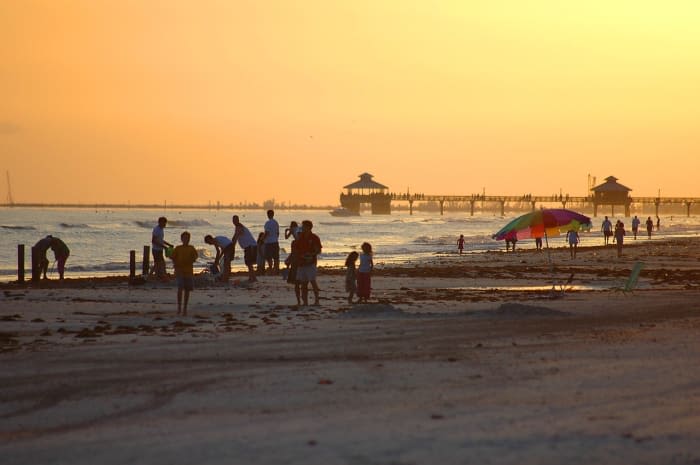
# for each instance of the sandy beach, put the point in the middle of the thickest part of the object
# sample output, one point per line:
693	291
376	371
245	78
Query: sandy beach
481	358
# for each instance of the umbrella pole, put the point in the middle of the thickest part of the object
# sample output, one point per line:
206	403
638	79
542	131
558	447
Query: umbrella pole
549	259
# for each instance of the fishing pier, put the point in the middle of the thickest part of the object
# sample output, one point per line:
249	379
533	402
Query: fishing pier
610	193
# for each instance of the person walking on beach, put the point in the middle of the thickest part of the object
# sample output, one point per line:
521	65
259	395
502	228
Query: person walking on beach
183	258
247	243
460	244
351	275
364	273
224	248
538	243
511	239
158	245
658	223
572	238
272	242
40	249
650	226
607	229
61	253
309	246
635	226
619	236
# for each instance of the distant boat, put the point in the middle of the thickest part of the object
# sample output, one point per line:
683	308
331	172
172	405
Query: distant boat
343	212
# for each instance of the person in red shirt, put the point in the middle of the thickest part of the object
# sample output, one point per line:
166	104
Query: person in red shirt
308	248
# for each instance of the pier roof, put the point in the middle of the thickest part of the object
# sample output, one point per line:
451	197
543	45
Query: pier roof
610	185
365	182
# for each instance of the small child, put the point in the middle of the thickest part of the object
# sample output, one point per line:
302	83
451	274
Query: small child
291	261
351	275
260	260
183	258
460	243
364	273
573	239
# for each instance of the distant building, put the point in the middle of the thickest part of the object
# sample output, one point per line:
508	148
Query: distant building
369	191
611	193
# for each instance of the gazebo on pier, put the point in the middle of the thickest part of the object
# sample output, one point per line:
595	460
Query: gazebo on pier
611	193
369	191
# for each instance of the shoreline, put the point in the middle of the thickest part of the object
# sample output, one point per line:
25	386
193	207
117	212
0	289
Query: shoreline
455	360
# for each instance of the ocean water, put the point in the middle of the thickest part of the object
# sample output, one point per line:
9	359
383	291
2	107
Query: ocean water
100	240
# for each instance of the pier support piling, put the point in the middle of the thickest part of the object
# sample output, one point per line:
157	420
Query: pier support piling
442	207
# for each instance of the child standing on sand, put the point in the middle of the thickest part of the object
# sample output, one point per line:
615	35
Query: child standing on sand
351	275
364	273
572	238
183	258
460	243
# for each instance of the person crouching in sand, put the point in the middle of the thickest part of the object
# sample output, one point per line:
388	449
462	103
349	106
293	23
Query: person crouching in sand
183	258
364	273
351	275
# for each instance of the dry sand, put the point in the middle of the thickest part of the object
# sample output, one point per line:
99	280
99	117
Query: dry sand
463	359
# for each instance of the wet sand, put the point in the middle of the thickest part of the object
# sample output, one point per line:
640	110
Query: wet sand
484	358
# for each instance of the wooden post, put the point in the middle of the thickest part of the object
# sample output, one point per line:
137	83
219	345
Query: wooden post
132	264
36	269
442	207
20	263
471	207
146	259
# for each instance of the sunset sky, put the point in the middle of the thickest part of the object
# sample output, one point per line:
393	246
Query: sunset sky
198	101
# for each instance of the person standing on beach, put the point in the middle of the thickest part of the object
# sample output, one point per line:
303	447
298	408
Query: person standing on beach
61	252
351	275
607	229
650	226
572	238
272	242
308	248
658	223
260	261
538	243
293	264
619	237
248	244
158	245
460	244
635	226
224	248
40	249
364	273
183	258
293	230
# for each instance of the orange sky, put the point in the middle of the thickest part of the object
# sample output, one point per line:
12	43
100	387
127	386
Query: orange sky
198	101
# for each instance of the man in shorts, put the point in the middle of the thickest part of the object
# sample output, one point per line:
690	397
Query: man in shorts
158	245
309	246
248	244
183	258
224	248
272	245
607	229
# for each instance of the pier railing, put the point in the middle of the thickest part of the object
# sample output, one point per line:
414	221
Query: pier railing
534	200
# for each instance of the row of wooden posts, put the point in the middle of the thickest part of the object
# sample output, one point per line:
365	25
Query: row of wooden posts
36	263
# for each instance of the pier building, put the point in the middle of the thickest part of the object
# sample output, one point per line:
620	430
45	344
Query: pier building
367	191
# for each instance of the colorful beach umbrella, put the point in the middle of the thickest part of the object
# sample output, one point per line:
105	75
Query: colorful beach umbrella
547	222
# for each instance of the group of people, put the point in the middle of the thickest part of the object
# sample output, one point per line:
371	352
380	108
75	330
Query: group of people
301	263
61	253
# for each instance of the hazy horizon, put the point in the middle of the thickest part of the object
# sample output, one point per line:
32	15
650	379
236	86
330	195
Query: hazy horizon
194	102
